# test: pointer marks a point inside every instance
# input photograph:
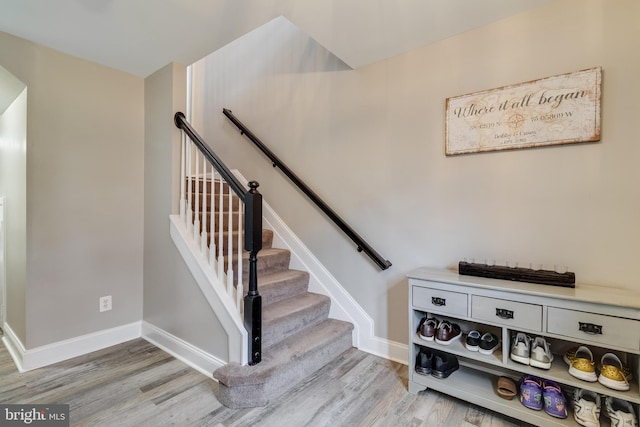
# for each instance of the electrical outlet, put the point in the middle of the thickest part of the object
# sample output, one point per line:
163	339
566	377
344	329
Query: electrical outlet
105	303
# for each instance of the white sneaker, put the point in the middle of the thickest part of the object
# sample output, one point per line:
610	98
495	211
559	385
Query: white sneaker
586	407
520	348
541	356
620	412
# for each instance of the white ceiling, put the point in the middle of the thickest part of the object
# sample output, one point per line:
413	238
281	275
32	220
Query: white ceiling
141	36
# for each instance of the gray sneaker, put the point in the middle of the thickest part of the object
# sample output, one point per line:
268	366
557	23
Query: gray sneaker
541	356
521	348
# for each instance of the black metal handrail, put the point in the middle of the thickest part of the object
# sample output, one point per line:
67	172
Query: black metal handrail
235	184
252	236
361	244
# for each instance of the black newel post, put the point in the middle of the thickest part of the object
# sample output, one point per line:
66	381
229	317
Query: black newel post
253	244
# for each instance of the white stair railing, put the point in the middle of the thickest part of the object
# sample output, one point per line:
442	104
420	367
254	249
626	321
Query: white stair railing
202	198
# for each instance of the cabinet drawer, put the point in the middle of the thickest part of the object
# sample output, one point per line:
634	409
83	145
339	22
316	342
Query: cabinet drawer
596	328
513	314
436	300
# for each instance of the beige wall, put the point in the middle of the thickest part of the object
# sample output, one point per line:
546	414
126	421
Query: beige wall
85	165
370	141
172	298
84	193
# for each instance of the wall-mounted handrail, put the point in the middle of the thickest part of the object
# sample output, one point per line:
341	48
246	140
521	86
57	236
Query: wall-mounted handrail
252	232
361	244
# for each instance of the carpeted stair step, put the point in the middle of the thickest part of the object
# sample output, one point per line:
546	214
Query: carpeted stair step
284	366
270	260
289	316
279	285
267	239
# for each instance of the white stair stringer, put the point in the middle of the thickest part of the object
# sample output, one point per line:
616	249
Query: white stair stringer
214	291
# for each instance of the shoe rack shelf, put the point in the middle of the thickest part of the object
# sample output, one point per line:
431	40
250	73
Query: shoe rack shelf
555	313
458	349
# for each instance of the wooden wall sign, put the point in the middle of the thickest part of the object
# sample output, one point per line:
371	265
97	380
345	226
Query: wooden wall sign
562	109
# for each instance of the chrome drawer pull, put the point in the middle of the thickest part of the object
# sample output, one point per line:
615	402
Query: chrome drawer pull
503	313
590	328
440	302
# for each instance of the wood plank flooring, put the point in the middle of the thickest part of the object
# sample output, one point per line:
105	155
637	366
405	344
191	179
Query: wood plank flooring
137	384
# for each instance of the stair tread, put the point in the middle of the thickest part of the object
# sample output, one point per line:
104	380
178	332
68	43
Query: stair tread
292	306
289	316
270	279
269	260
296	306
264	252
282	355
281	284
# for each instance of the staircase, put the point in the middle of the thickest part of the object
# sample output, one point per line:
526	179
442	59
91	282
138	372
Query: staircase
298	337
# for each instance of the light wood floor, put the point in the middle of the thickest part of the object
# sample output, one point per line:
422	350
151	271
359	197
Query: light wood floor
137	384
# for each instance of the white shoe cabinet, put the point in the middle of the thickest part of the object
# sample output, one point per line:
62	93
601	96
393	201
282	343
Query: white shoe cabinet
604	319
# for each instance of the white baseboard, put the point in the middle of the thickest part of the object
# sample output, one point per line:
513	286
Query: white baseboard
14	346
387	349
27	360
193	356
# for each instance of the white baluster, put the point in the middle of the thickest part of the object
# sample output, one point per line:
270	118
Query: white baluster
212	218
197	192
189	190
230	245
183	178
203	235
219	231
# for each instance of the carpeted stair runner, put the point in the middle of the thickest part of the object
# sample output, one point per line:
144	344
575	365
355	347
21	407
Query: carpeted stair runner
283	365
298	338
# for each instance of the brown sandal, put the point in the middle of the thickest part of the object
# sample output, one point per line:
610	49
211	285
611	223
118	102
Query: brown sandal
507	388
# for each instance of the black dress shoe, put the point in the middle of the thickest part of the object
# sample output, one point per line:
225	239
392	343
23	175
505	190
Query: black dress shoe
444	364
424	361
